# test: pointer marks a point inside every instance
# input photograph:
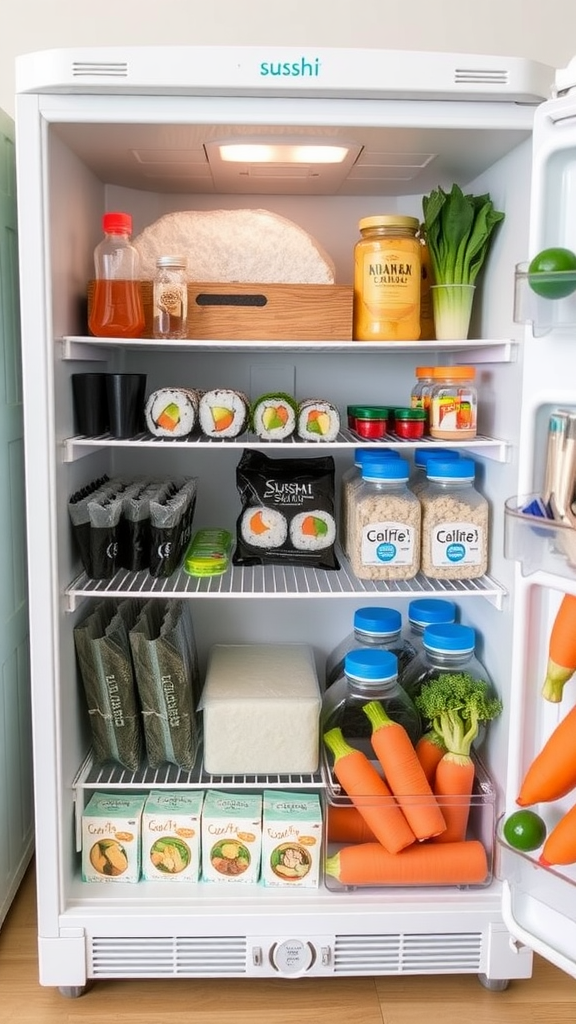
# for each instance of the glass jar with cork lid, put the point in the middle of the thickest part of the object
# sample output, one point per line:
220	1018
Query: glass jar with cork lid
170	298
387	279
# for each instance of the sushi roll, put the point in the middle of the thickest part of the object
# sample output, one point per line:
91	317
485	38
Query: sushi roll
263	527
223	412
172	412
274	416
317	420
313	531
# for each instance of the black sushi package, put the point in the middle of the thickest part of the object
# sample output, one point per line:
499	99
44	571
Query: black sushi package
287	515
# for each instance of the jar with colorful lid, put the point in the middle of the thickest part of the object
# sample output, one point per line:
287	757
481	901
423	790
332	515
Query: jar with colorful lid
384	523
368	674
387	279
454	521
453	403
409	424
377	627
371	421
351	477
420	394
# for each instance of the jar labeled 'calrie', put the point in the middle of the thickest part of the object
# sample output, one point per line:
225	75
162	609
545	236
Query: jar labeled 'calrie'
454	522
170	299
387	279
453	403
384	523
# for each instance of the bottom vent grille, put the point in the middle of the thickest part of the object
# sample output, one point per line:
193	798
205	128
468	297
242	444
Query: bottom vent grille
172	957
408	954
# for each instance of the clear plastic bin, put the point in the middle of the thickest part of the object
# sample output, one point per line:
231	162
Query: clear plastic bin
481	827
539	544
544	314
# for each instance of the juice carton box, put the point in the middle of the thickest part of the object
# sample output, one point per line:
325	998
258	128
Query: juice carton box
171	835
231	837
291	839
111	826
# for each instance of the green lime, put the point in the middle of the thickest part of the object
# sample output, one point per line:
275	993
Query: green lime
548	263
524	830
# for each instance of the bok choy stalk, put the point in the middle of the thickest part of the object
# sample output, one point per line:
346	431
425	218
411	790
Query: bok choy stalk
459	230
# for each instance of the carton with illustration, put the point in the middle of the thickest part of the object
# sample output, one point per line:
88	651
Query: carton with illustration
111	825
231	836
291	839
171	835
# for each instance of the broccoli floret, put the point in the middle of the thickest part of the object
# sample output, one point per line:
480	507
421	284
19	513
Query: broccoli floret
455	704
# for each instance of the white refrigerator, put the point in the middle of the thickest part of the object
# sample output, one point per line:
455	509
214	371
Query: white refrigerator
134	129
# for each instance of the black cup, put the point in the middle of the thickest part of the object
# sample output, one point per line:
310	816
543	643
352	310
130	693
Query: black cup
126	392
90	403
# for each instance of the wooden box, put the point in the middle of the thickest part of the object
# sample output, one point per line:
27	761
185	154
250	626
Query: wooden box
266	312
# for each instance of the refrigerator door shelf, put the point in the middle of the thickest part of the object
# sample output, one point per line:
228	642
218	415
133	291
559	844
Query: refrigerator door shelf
538	543
545	312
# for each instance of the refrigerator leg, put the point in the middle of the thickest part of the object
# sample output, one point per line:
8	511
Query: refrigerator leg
73	991
493	984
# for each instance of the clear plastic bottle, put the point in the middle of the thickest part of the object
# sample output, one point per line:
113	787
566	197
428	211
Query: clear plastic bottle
369	674
384	523
377	628
420	394
423	612
116	310
454	522
170	298
446	647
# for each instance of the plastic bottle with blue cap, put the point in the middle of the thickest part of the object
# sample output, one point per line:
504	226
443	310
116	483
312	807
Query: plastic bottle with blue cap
368	674
454	521
351	478
384	523
375	627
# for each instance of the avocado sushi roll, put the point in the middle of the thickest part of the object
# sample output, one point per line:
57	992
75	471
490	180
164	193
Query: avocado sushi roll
318	420
313	531
171	412
274	416
223	412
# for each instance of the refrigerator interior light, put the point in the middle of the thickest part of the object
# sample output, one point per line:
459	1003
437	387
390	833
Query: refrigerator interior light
282	153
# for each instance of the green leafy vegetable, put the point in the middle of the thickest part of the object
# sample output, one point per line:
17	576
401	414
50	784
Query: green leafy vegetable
459	230
455	704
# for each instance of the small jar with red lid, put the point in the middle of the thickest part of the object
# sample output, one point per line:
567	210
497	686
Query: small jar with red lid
371	421
410	424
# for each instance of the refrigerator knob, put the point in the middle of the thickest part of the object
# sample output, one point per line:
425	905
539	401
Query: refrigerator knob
325	956
292	956
257	956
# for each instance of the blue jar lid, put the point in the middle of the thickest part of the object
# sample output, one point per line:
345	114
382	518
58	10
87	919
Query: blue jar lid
371	665
452	469
362	455
422	455
378	621
427	610
449	636
389	469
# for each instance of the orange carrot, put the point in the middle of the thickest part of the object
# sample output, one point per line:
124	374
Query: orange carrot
369	793
560	844
422	864
453	788
346	825
404	773
429	751
552	773
561	650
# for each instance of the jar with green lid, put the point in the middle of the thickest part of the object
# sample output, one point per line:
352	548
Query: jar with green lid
409	424
371	421
453	403
387	279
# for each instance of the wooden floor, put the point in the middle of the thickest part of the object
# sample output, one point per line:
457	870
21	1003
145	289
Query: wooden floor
549	997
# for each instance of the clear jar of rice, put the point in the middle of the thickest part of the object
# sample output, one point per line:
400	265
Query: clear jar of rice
454	521
384	523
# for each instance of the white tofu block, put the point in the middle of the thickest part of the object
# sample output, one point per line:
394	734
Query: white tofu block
261	706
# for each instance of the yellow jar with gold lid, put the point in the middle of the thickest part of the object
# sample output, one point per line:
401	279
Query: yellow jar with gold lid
387	279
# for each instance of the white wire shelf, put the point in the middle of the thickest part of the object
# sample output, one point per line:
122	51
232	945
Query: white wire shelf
275	581
77	447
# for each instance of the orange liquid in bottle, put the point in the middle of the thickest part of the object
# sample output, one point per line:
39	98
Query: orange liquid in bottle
116	310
